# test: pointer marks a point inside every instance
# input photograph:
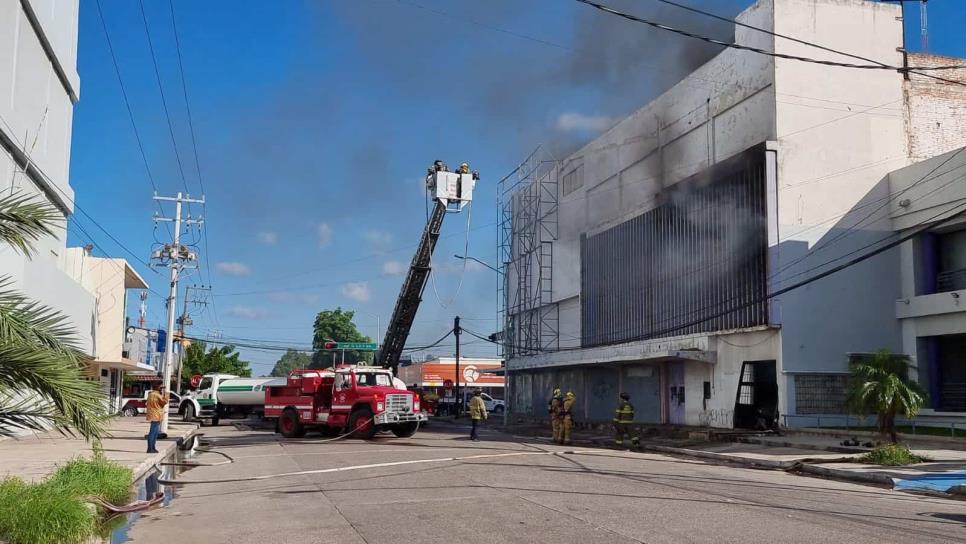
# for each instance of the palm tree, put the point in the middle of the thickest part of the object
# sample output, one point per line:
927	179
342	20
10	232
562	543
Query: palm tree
42	383
880	385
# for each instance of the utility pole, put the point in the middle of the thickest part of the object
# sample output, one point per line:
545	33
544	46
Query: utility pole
183	321
456	331
174	256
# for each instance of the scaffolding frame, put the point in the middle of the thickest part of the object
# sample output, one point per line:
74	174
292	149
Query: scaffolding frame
527	219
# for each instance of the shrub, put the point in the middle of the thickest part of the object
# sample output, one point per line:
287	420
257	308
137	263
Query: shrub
892	455
56	510
36	513
96	477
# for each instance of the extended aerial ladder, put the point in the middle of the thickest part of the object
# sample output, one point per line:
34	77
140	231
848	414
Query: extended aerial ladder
450	191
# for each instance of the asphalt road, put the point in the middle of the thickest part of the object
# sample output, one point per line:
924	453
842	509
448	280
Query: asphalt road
515	490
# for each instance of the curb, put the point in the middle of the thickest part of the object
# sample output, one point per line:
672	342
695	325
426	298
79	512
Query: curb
767	463
790	444
848	475
166	450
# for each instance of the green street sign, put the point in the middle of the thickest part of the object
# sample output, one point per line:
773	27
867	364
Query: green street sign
361	346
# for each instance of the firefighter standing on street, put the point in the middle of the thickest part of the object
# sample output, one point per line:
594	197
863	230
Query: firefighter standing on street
477	412
623	417
567	422
555	409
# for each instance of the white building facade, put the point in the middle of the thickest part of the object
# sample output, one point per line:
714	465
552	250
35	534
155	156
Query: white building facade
646	261
39	85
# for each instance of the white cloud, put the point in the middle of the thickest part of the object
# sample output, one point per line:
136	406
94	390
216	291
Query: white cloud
267	237
392	268
578	122
379	239
325	234
356	291
473	266
233	268
245	312
455	267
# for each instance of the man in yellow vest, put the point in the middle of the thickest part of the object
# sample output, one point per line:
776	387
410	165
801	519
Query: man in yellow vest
567	420
154	412
623	417
554	408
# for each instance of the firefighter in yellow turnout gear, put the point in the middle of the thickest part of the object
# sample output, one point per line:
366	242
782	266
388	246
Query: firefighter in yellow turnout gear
554	408
567	421
623	417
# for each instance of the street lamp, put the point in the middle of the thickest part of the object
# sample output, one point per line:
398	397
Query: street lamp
479	261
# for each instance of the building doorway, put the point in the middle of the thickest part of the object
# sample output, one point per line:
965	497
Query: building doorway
756	404
675	393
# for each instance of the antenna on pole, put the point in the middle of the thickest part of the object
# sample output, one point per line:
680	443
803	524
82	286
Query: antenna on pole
143	309
923	26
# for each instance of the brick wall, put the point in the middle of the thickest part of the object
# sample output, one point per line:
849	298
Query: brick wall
935	111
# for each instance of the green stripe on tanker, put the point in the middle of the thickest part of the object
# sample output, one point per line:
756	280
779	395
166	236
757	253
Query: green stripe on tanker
235	388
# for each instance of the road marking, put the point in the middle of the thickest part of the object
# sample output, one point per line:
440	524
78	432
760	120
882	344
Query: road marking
165	481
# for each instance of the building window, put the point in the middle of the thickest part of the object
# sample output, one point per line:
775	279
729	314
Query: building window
820	393
951	250
573	180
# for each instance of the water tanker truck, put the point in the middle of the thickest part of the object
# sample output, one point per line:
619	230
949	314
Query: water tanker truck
226	395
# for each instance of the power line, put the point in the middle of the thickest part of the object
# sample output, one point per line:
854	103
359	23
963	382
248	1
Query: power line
164	102
194	147
127	103
916	70
760	51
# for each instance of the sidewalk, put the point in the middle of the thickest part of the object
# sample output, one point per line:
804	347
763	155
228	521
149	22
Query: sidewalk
810	453
33	457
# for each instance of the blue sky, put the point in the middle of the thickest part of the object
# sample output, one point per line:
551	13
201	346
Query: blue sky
315	121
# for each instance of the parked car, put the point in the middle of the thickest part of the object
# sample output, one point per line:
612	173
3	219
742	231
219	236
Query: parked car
131	407
493	405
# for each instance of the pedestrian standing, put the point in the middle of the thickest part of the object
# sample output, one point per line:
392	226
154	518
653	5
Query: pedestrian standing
156	405
568	419
477	412
555	409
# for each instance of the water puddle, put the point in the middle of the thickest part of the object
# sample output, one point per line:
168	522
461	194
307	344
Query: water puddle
115	530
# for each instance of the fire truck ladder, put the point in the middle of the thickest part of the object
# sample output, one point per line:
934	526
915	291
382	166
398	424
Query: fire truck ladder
411	293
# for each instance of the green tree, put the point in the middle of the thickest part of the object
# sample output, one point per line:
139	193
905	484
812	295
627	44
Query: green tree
336	325
880	385
289	361
222	359
42	382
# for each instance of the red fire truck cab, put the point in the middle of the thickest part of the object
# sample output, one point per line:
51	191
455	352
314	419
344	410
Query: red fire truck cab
347	398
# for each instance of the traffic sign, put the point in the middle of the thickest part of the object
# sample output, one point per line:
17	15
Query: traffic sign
196	381
362	346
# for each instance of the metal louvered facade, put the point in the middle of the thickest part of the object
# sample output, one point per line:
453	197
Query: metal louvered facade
695	263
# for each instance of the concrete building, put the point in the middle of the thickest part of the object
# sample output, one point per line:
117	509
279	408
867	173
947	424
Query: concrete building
39	85
109	281
646	261
931	310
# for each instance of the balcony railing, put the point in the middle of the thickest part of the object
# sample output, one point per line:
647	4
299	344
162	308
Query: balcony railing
954	397
951	280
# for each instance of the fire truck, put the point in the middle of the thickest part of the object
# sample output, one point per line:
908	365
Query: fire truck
365	399
354	397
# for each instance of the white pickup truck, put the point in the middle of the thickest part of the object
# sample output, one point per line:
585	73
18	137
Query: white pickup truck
225	395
